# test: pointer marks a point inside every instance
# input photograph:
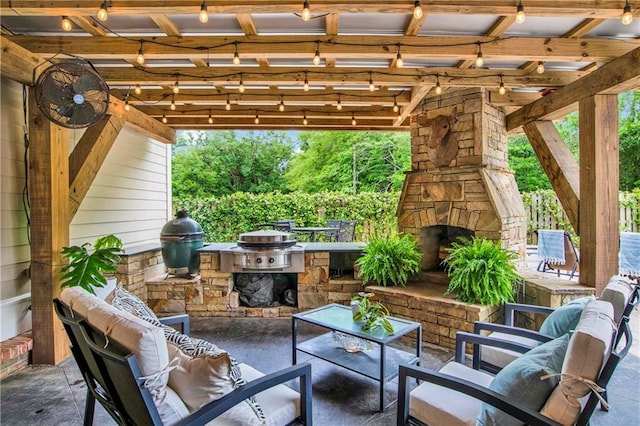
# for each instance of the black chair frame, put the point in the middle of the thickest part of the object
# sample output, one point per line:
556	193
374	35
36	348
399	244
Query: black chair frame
112	378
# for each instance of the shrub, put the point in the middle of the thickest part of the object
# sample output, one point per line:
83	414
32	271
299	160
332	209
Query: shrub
391	260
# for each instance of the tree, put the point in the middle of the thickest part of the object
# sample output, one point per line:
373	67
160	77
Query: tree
221	163
350	161
630	156
524	162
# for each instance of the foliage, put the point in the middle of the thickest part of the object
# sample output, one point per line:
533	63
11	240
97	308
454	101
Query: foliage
481	272
86	269
224	218
350	161
372	314
220	163
391	260
528	171
630	156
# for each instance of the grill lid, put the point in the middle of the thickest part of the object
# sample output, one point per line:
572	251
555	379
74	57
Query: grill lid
182	225
266	239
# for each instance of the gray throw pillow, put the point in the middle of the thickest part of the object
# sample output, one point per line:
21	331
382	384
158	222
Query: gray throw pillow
564	319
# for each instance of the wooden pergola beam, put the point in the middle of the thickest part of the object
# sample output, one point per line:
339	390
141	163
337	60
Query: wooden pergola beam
18	63
559	165
347	46
417	95
617	76
87	158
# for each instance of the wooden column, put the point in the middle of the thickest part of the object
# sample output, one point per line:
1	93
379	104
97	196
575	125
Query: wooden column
599	184
49	199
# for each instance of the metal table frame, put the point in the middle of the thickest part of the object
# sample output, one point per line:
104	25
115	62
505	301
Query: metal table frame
379	365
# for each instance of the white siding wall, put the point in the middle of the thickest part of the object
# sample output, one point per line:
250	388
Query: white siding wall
130	198
15	287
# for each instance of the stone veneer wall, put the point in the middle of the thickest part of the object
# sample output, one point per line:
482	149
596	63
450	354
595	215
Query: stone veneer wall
477	190
211	294
137	266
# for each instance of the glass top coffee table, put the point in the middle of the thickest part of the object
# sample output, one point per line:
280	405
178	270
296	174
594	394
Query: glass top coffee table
379	363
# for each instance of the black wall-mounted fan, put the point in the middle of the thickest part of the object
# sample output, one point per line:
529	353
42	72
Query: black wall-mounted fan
72	94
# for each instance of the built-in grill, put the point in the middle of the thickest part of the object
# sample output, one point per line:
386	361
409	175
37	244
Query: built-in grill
263	251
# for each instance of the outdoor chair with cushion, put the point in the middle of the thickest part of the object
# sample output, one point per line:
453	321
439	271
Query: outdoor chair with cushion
620	292
556	383
557	251
332	235
347	231
143	377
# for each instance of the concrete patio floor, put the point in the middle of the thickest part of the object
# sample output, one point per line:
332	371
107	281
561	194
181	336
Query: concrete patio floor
43	395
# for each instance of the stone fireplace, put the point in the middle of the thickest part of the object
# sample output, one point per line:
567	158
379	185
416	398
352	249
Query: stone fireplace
459	178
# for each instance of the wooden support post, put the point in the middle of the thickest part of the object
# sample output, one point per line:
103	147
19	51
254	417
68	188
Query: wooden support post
49	200
559	165
599	184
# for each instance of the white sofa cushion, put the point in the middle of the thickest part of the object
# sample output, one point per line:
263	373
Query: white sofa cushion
79	300
588	349
618	292
433	404
500	357
280	403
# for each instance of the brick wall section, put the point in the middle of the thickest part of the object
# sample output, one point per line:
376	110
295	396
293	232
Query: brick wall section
441	317
15	354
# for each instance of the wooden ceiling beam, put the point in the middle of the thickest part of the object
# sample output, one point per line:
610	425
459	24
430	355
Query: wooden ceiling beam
18	63
332	23
328	112
165	24
284	123
617	76
351	47
145	124
417	95
499	27
604	10
88	25
246	23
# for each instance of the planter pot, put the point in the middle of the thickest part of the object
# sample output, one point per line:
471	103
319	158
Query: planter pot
355	307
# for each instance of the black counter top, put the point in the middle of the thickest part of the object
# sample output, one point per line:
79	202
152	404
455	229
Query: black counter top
308	247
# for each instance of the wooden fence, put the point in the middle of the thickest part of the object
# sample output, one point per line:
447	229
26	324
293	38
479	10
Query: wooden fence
544	211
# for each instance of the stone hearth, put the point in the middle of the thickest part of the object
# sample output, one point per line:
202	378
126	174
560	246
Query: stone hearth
459	171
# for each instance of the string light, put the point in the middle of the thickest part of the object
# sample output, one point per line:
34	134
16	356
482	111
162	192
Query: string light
304	118
399	117
339	104
228	105
203	16
103	15
140	57
396	108
281	105
257	119
127	107
173	104
417	9
520	16
502	90
627	16
305	86
236	57
399	61
479	59
176	86
353	119
540	67
438	86
137	90
210	118
306	13
372	86
241	86
66	24
164	118
316	56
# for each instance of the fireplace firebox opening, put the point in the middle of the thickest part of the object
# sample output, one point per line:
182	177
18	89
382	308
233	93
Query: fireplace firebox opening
435	239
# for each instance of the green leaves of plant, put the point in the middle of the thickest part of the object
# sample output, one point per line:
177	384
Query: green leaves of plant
390	260
372	315
87	269
481	272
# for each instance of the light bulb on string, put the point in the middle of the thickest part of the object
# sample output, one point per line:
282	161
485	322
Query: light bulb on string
339	104
627	16
479	58
173	104
400	118
306	12
138	89
540	67
316	56
438	86
176	86
103	14
164	118
372	86
236	56
281	105
353	119
502	90
520	16
140	57
127	107
417	9
305	86
396	108
228	104
304	119
210	118
66	23
257	119
203	16
399	61
241	85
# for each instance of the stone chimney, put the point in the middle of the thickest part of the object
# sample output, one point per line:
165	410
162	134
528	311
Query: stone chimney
460	183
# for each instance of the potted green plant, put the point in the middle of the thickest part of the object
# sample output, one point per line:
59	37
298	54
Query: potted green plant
87	269
373	315
481	271
390	260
